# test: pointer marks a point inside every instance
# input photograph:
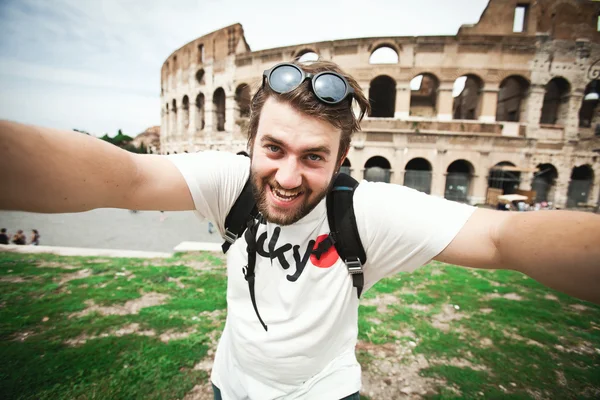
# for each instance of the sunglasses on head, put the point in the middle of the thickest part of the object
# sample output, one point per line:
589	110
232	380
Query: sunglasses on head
329	87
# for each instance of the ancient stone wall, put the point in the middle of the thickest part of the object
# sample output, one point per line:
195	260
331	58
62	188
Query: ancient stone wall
493	106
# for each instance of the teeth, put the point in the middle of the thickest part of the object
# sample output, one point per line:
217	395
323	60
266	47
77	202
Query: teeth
285	195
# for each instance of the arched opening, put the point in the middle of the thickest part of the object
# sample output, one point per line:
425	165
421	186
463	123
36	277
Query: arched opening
458	181
345	168
378	169
511	99
306	55
384	55
580	186
589	114
219	109
467	92
174	122
167	122
544	183
556	102
418	175
242	99
200	76
186	111
423	95
382	96
505	176
200	111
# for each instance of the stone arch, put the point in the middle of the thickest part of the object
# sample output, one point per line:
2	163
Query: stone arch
384	54
459	176
200	76
417	175
306	55
378	169
199	115
382	96
580	185
512	98
219	109
242	100
423	95
544	182
173	124
185	105
556	102
504	175
346	166
589	114
468	99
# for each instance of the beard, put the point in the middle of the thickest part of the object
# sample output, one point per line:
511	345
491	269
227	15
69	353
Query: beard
287	217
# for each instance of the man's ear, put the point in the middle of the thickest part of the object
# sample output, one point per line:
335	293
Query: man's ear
343	158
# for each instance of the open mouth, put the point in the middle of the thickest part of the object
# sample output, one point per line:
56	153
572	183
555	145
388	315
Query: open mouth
284	197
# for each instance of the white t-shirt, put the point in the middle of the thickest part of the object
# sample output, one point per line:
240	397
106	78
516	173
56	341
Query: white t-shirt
309	305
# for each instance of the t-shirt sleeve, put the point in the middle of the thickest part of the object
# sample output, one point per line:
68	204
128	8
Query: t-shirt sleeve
215	180
402	229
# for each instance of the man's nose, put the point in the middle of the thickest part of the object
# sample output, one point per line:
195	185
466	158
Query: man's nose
288	175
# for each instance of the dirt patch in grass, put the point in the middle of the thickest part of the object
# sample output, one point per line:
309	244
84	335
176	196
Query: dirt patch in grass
507	296
54	264
130	307
131	329
381	301
81	274
169	335
201	392
442	320
392	371
13	279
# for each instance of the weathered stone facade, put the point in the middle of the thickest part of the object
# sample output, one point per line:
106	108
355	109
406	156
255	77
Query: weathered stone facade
519	123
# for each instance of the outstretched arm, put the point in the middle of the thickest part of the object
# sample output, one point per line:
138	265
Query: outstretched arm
560	249
47	170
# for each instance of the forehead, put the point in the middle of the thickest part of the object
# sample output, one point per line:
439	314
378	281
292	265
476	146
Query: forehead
294	128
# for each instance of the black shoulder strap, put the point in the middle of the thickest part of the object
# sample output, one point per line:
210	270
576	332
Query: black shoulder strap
344	232
243	210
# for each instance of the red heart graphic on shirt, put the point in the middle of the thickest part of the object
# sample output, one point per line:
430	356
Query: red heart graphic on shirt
328	258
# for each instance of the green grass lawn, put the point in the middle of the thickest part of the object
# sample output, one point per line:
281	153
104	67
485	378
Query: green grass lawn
100	328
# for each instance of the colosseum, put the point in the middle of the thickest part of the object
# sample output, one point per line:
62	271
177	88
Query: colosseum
508	105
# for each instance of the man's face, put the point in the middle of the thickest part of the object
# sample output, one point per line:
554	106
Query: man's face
294	158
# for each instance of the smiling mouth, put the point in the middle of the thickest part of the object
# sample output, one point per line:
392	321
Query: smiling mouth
284	196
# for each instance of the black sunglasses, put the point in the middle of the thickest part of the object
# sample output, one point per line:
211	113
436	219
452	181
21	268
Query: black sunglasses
329	87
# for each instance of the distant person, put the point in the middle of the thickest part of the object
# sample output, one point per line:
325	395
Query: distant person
162	216
211	228
4	239
19	238
35	237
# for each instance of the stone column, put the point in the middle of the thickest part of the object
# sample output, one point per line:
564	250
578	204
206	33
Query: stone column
191	133
230	114
479	185
402	109
535	102
209	124
445	101
438	175
572	122
489	102
562	188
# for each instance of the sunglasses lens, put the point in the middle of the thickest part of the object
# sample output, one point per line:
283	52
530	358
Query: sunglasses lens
284	79
330	88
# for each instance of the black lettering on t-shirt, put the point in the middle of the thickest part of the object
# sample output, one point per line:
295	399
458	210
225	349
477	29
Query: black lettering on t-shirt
301	263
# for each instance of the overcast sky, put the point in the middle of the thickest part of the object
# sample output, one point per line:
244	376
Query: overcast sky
95	64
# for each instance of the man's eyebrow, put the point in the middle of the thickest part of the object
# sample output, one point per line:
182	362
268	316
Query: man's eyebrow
318	149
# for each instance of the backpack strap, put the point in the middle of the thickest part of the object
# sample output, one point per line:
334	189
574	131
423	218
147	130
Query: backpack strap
243	210
344	232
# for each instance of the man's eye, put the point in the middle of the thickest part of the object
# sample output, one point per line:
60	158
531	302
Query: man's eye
272	148
314	157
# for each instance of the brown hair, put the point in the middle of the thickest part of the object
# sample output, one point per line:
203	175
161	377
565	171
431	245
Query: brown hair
303	99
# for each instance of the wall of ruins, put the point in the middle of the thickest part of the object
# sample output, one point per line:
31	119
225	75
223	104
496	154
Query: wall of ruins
497	119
